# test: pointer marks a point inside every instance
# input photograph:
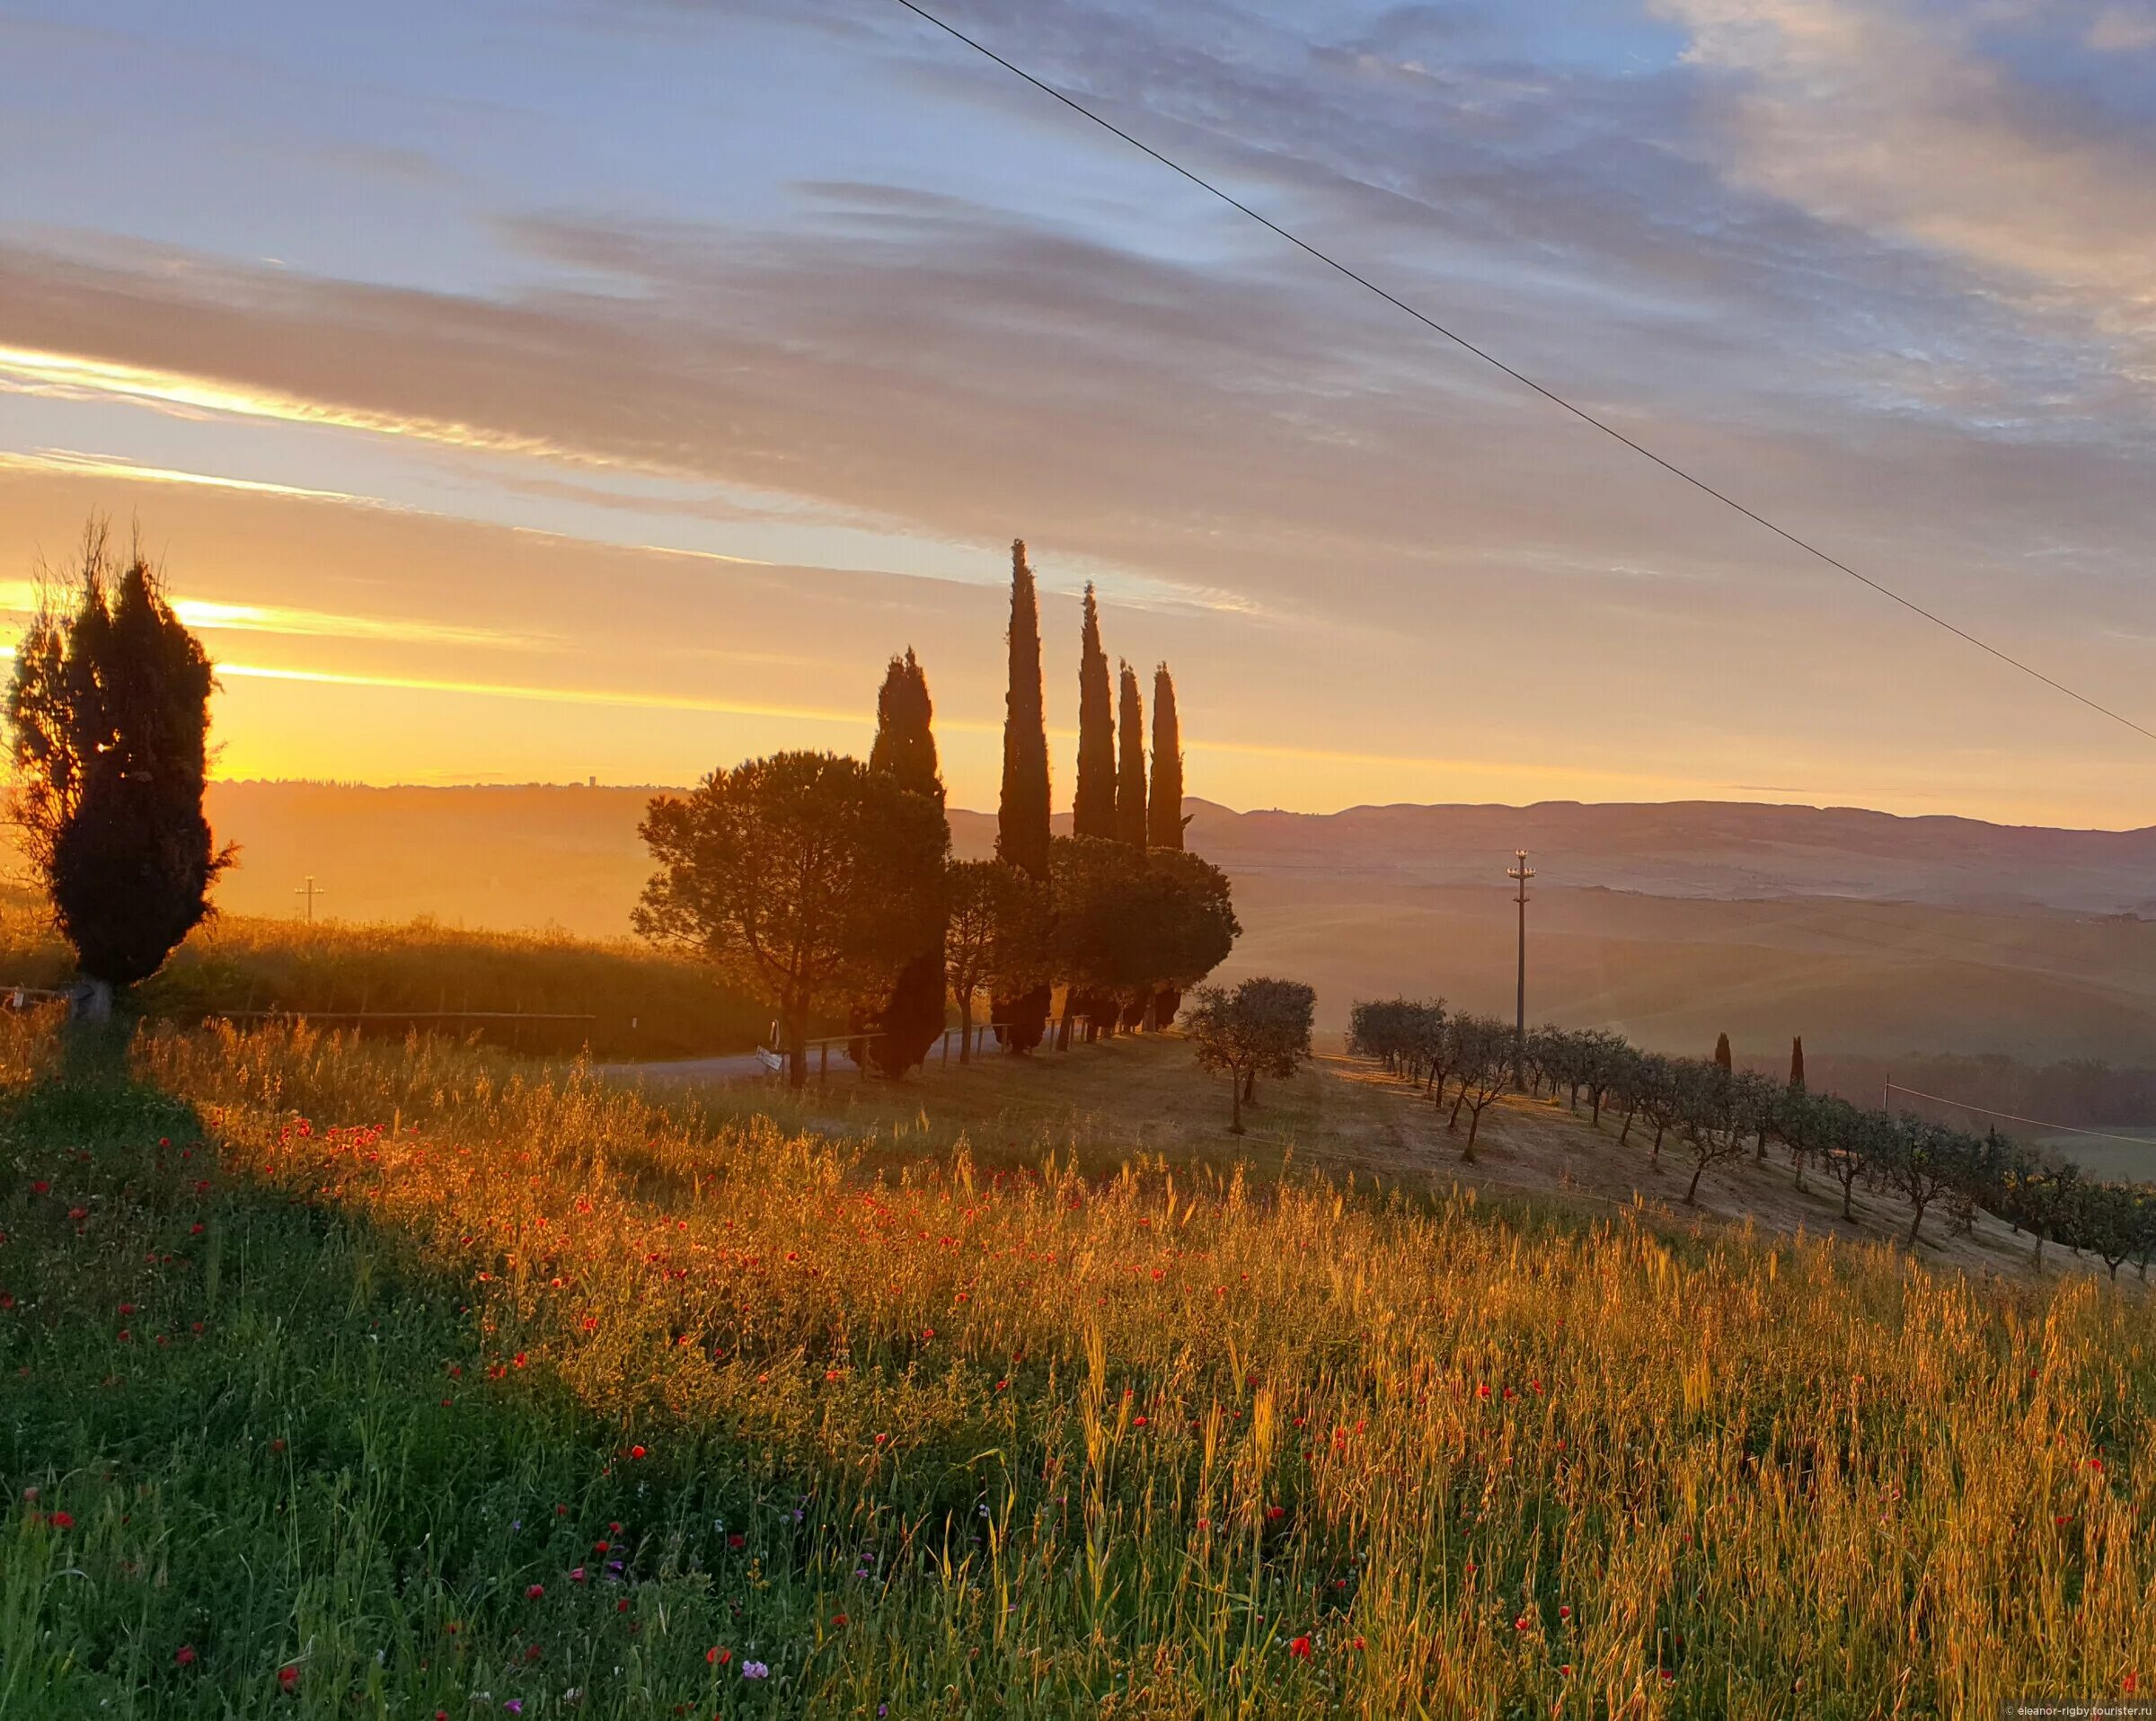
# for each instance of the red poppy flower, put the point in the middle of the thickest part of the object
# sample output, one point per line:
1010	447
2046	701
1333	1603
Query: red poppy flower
288	1677
636	1452
62	1521
534	1592
718	1657
1300	1649
184	1655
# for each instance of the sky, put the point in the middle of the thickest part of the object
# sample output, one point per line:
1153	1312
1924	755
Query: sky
566	390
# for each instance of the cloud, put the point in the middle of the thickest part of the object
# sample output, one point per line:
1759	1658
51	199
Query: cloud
1927	124
73	463
2124	30
210	615
85	376
1850	260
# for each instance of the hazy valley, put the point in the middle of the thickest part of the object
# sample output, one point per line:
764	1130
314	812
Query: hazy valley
1862	931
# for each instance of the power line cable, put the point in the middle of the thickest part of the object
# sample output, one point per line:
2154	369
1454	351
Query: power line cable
1551	396
2015	1118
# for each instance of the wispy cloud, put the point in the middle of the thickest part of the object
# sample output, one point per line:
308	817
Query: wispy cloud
626	698
76	464
209	616
79	377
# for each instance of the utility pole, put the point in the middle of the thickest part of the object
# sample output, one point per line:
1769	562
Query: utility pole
310	890
1521	872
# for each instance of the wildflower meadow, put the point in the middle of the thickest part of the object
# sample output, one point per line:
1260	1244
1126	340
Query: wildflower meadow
401	1380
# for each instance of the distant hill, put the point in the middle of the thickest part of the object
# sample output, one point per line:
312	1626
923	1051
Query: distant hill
1725	850
1673	922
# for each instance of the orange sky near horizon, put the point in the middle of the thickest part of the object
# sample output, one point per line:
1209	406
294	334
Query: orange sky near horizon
383	677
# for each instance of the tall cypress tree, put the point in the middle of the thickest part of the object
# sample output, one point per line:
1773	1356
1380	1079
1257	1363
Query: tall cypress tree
1164	807
1093	808
1721	1052
911	1016
1796	1064
1130	780
1021	825
1165	811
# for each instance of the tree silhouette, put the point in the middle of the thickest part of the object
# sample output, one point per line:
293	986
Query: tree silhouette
1022	833
1093	808
109	713
807	875
1721	1052
1164	819
909	1018
1796	1064
996	936
1130	779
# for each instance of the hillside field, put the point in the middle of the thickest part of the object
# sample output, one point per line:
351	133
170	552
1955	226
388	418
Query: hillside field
538	993
401	1378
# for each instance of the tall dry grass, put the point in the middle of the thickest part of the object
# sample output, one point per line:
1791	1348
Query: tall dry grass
1160	1444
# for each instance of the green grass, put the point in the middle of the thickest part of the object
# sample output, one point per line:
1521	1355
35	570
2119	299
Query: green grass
399	1320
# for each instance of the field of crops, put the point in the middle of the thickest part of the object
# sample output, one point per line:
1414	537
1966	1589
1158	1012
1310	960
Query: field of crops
381	1380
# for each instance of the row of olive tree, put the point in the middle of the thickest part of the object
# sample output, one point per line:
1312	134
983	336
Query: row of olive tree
1435	1047
1713	1114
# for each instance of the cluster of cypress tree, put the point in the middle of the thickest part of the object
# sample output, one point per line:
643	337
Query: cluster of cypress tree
1115	802
1116	911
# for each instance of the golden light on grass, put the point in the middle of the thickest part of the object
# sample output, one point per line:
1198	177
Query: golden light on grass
1012	1440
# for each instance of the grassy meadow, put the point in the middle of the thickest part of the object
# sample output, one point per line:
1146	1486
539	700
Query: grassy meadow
400	1379
620	999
